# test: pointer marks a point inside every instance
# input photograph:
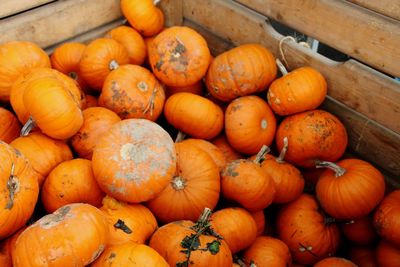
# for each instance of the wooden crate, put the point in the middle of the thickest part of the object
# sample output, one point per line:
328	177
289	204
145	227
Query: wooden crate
362	92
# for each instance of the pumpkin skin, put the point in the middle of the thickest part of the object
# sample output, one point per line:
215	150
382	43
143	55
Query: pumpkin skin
195	186
361	184
387	254
241	71
249	124
17	58
313	135
360	231
196	89
9	126
268	251
229	152
179	56
71	182
138	223
100	57
259	218
131	176
6	248
143	15
133	92
300	90
81	234
236	226
194	115
42	152
96	122
17	178
308	234
363	256
91	101
132	41
122	255
386	218
334	261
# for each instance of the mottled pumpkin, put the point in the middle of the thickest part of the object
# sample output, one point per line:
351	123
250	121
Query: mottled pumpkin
9	126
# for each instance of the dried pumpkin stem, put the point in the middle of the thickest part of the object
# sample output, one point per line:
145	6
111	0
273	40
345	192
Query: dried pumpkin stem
12	187
73	75
178	183
281	67
261	154
113	65
120	224
329	220
180	137
339	171
150	104
28	126
156	2
281	158
281	48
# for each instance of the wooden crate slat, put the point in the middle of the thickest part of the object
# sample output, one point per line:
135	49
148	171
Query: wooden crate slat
173	12
390	8
59	21
365	90
10	7
358	32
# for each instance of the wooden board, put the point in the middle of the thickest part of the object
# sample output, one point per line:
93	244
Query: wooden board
59	21
9	7
390	8
358	32
173	12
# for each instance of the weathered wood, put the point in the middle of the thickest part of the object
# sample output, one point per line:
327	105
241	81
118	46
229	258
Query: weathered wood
173	12
390	8
59	21
10	7
358	32
361	88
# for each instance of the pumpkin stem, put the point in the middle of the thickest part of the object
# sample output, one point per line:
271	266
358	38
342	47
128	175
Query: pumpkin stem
282	155
180	137
239	261
28	126
178	183
150	105
339	171
261	154
281	49
73	75
120	224
12	187
329	220
281	67
113	65
155	2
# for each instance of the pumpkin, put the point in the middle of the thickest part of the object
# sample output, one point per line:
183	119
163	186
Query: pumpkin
259	218
236	226
141	160
360	231
309	235
74	235
267	251
143	15
130	254
241	71
386	218
91	101
71	181
335	261
179	56
133	92
128	222
194	115
18	58
349	181
249	124
19	190
229	152
196	89
245	182
132	41
9	126
42	152
66	58
300	90
184	243
311	177
96	122
363	256
387	254
313	135
99	58
6	248
195	186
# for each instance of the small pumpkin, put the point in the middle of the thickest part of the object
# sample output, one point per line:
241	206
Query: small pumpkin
196	89
363	256
335	261
6	248
9	126
91	101
387	254
360	231
259	218
227	150
350	181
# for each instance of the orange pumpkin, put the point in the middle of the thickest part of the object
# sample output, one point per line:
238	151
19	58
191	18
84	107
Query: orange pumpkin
387	254
229	152
6	248
313	135
259	218
18	58
334	261
363	256
71	182
19	190
96	122
249	124
132	41
241	71
91	101
196	89
130	254
9	126
100	57
128	222
74	235
141	160
143	15
43	152
360	231
195	186
133	92
179	56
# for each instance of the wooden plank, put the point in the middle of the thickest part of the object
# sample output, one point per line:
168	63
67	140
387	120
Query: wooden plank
173	12
390	8
9	7
59	21
358	32
361	88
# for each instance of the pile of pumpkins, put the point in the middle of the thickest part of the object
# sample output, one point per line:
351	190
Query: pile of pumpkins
96	152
